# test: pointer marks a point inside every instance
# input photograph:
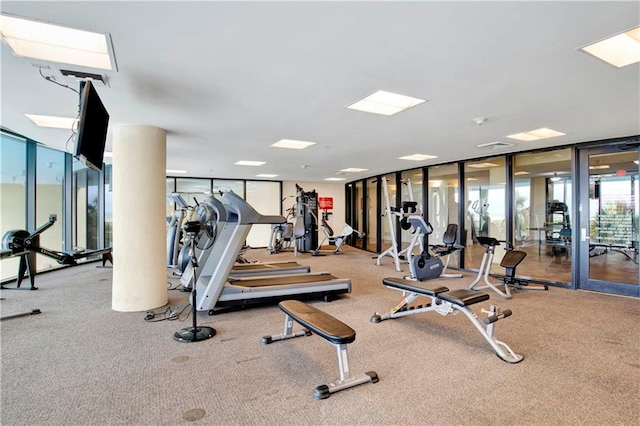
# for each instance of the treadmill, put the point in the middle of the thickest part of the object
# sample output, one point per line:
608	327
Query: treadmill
238	270
257	269
217	288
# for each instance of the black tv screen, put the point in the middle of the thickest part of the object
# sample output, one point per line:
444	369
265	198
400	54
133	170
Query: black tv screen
92	128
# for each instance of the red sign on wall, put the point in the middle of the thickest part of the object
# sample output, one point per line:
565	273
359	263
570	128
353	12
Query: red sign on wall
325	203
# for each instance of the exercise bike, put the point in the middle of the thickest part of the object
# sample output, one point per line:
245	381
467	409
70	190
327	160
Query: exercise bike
512	258
424	266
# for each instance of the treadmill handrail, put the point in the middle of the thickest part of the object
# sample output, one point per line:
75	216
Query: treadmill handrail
246	214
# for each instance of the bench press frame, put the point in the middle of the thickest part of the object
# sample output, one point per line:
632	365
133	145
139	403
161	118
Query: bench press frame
447	302
331	329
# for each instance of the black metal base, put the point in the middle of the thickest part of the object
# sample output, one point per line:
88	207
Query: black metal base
186	335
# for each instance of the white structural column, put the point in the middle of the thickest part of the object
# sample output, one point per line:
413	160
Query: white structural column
139	204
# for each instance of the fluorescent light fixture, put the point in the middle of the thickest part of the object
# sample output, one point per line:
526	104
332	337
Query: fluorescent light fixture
385	103
417	157
176	172
482	165
532	135
52	121
55	43
292	144
353	170
619	50
472	179
521	173
600	167
266	175
249	163
335	179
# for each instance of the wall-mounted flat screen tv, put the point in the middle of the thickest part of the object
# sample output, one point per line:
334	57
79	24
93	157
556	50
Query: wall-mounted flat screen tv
92	128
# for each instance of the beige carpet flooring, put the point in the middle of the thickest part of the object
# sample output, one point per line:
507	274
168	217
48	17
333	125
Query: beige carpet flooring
81	363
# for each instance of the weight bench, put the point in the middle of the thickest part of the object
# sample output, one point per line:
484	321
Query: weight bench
329	328
511	259
447	302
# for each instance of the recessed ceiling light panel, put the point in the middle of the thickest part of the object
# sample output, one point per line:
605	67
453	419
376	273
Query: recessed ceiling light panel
249	163
533	135
335	179
266	175
176	172
353	170
385	103
292	144
55	43
52	121
418	157
482	165
619	50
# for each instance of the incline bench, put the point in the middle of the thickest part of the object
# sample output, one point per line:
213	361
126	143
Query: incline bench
329	328
447	302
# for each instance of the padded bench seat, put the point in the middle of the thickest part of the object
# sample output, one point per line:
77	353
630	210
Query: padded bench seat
329	328
414	286
319	322
464	297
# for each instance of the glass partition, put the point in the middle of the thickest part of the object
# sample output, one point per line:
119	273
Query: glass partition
485	207
388	221
542	214
371	233
358	198
411	191
442	190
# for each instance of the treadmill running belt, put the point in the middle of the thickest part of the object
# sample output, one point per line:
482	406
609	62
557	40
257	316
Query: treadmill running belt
251	266
282	280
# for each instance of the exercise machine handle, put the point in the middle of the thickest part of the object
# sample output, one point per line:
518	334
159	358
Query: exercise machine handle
494	318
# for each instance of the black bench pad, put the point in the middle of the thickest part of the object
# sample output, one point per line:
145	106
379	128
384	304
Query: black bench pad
414	286
319	322
464	297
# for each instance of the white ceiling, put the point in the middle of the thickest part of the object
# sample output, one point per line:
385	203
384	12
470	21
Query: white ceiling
228	79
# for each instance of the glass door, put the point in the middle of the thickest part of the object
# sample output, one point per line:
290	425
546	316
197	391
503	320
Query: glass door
609	221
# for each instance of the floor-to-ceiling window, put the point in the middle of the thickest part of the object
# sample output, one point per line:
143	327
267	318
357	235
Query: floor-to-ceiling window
265	198
224	185
49	201
13	194
108	205
193	189
86	203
